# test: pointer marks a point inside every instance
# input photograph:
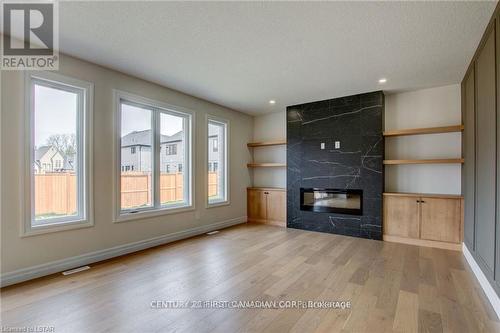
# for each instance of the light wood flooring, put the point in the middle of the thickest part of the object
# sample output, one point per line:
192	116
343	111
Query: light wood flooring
392	287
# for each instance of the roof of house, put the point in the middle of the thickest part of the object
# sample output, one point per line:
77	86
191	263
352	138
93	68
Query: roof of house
40	152
143	138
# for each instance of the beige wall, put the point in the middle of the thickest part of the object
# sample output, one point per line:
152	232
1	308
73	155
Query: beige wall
270	127
432	107
18	253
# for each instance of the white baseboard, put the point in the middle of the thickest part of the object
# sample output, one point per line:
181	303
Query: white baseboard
92	257
483	281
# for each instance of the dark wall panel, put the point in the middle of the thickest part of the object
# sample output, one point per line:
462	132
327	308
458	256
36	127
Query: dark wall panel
357	122
497	263
485	199
469	156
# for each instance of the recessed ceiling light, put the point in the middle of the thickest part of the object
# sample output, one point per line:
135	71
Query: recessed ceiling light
272	101
383	80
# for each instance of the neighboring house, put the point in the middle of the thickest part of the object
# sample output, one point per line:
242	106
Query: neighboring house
136	152
213	152
48	159
171	153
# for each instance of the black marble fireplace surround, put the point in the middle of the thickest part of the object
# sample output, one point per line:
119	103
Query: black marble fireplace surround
357	122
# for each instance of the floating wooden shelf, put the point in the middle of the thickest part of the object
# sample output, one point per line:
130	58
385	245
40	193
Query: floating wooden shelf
266	143
282	189
428	130
266	165
427	161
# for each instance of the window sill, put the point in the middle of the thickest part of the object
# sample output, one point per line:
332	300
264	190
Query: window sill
126	217
56	227
217	204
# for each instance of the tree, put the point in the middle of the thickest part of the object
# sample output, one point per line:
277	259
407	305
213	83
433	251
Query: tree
65	143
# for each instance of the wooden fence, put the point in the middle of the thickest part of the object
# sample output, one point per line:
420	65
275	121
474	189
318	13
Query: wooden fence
55	193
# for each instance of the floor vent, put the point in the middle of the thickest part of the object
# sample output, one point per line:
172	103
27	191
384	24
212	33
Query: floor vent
76	270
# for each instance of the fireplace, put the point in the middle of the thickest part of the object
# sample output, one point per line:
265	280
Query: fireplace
334	146
329	200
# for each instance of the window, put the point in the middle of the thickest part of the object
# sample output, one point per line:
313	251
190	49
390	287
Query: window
59	122
217	182
136	128
215	144
171	149
153	186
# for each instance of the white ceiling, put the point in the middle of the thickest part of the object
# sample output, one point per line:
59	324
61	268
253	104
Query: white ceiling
242	54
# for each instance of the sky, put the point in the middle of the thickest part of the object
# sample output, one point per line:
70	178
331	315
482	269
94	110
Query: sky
138	119
55	113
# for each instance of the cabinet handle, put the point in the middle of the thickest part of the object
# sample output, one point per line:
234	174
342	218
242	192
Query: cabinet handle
422	201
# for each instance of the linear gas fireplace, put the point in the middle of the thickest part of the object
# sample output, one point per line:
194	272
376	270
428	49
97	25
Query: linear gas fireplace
329	200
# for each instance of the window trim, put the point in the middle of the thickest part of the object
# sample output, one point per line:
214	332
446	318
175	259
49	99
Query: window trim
158	108
226	165
85	180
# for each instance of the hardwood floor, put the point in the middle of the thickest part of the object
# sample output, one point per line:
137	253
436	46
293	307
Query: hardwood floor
392	287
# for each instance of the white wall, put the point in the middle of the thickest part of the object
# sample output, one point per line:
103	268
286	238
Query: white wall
432	107
270	127
18	253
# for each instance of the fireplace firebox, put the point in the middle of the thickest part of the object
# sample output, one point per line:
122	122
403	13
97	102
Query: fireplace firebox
328	200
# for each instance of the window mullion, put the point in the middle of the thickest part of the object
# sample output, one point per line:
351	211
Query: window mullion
188	156
156	157
81	155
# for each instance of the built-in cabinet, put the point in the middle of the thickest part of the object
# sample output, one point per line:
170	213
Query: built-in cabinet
433	220
428	220
481	147
266	205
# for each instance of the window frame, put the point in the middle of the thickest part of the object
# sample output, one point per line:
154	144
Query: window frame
85	201
157	108
226	161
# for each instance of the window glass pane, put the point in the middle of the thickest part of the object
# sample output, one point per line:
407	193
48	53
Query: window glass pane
173	181
136	158
216	162
55	150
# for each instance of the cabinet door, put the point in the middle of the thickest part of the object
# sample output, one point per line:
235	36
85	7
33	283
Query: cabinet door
256	205
276	207
441	219
486	153
401	216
